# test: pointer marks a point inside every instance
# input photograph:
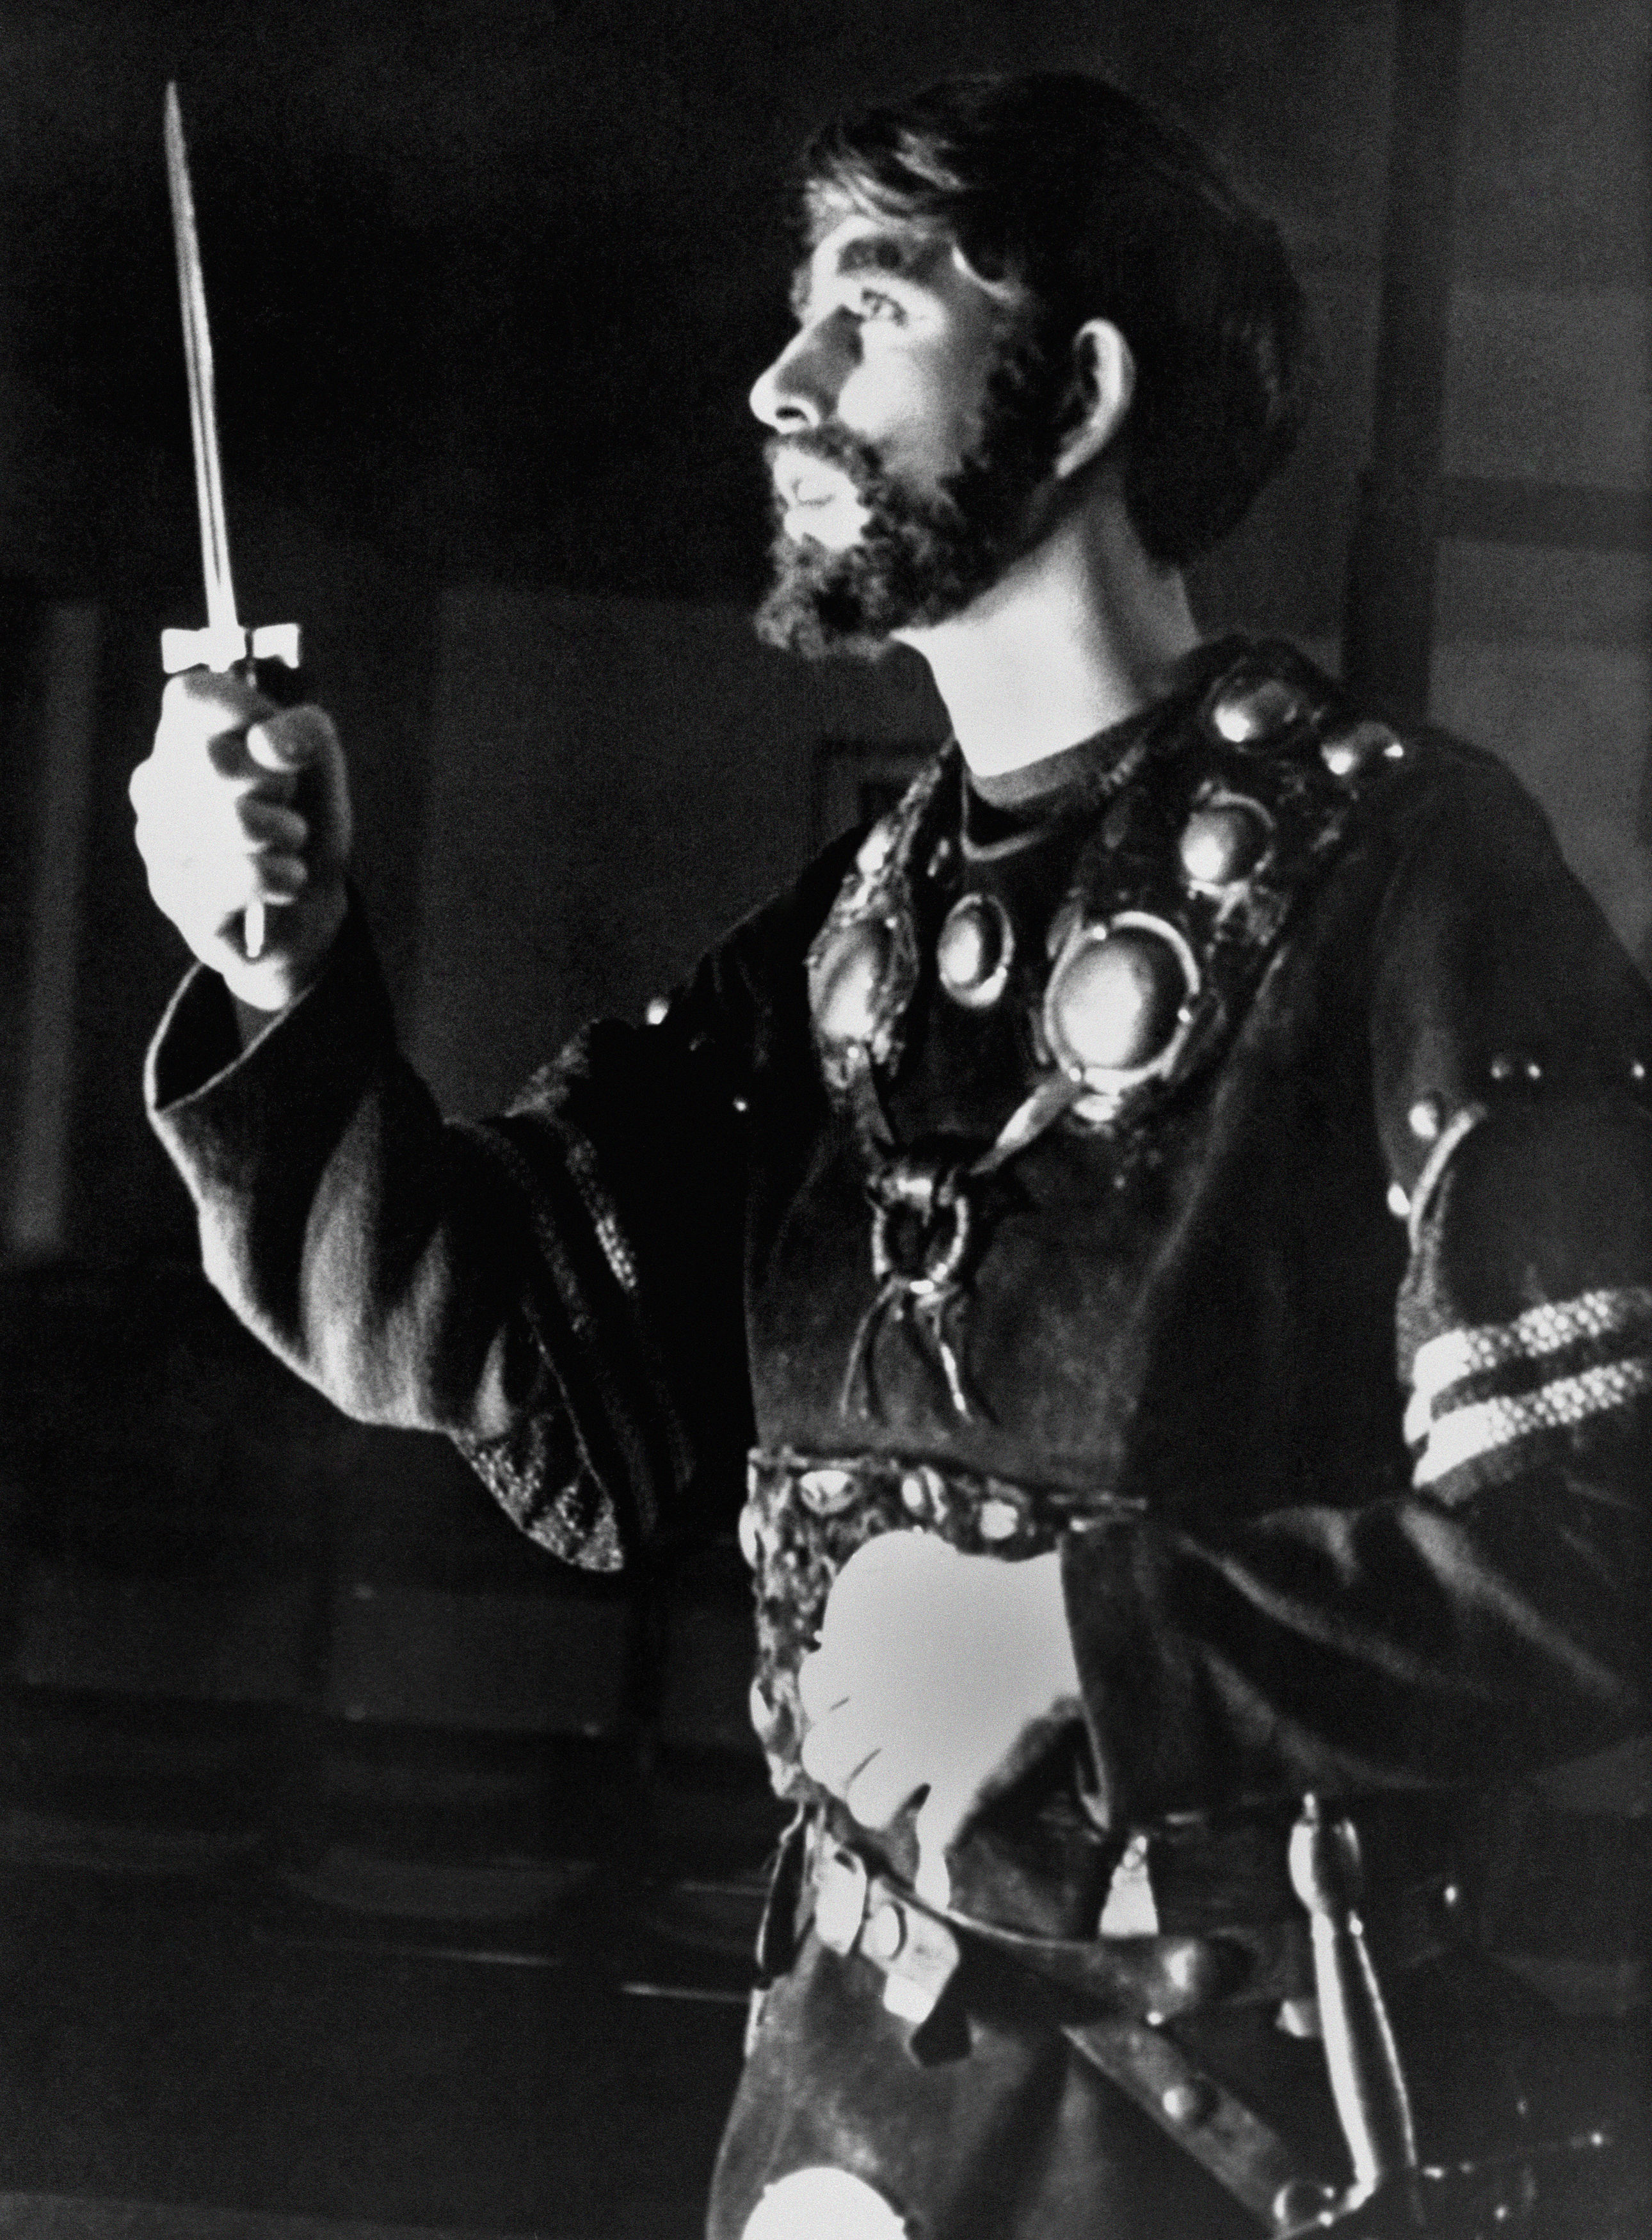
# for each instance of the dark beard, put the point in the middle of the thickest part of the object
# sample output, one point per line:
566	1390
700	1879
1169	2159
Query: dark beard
922	556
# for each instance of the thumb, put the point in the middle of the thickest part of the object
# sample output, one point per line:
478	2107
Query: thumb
935	1825
292	737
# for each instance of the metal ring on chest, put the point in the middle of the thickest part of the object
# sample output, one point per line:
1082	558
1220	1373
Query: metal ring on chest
944	1219
1120	1002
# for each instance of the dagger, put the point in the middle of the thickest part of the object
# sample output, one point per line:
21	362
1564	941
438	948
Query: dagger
224	644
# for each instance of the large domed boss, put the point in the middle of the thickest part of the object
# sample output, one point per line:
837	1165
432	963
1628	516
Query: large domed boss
1119	1004
850	977
1223	843
973	949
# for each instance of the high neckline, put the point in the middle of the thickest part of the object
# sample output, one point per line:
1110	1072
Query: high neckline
1074	775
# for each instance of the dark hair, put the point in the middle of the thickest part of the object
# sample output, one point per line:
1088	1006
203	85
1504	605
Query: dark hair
1100	208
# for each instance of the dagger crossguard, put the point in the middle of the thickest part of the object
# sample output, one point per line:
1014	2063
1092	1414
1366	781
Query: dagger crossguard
229	647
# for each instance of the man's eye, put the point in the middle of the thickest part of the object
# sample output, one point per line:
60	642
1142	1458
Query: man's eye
873	303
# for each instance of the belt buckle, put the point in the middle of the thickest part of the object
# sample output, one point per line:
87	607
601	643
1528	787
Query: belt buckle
918	1955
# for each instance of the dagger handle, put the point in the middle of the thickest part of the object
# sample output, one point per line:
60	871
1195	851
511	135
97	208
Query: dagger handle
1367	2081
279	680
268	660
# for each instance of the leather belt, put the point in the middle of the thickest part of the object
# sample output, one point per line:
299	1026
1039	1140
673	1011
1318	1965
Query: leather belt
918	1949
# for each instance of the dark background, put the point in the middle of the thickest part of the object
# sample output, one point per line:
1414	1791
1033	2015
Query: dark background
489	284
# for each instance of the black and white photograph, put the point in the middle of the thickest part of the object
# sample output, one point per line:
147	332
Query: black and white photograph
825	1120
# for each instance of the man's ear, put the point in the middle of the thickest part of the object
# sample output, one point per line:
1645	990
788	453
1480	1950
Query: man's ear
1102	385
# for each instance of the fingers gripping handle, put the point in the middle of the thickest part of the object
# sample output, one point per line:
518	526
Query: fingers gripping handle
267	658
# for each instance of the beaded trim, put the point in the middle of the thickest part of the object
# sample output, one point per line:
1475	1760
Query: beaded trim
1475	1423
1469	1434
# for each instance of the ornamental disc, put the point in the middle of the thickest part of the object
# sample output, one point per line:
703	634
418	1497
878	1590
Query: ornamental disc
973	950
848	979
1118	1002
1223	841
1256	710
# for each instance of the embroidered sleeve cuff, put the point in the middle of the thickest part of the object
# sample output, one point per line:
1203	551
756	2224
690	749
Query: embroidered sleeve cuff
214	1104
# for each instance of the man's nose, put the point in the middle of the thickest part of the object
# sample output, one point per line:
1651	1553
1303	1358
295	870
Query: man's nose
800	389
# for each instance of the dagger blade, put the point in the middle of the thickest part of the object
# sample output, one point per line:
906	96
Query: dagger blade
221	618
222	645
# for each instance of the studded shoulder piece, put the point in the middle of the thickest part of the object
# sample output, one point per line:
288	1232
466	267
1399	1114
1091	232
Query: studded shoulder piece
1179	899
1221	818
1175	904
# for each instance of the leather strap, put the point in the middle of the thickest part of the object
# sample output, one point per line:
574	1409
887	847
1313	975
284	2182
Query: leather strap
1153	1978
1207	2122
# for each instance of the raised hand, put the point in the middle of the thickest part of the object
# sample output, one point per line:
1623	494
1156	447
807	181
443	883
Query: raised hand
241	801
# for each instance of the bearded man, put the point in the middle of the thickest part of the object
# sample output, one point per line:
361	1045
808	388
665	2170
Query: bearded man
1045	1191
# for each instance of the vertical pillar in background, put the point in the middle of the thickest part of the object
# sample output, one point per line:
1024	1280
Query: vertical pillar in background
66	700
1388	611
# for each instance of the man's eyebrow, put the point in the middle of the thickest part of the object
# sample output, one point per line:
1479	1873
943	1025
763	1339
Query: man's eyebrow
906	254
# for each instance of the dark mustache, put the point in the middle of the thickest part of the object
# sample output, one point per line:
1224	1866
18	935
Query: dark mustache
835	446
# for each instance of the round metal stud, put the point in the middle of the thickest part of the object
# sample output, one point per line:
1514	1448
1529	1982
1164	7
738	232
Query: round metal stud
874	851
921	1490
1399	1203
973	950
1195	1969
1223	842
1426	1118
1348	752
1638	1072
1257	710
750	1537
1515	1065
826	1492
765	1719
884	1934
1302	2201
997	1519
847	983
1187	2102
1118	998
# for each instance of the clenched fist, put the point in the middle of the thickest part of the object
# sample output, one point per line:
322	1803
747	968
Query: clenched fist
242	802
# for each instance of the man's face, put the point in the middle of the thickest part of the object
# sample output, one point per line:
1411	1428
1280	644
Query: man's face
911	428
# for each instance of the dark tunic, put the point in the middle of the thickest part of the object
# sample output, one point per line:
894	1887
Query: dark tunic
1319	1344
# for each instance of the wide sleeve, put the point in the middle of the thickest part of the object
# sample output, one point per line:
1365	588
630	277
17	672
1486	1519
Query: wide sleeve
1486	1614
557	1288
